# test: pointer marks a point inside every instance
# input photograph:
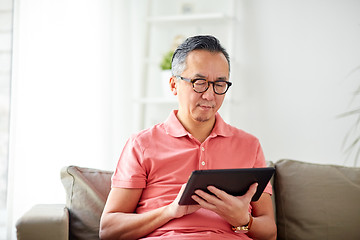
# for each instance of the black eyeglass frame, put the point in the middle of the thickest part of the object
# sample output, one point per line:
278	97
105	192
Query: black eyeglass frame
192	81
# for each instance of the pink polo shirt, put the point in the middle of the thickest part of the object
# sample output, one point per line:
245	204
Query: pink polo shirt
161	159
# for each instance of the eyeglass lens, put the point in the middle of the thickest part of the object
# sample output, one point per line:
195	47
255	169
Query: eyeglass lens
201	85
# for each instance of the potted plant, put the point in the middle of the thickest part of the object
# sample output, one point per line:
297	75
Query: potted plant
165	65
166	61
351	143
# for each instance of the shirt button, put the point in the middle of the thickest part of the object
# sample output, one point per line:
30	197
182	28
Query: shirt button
203	163
202	149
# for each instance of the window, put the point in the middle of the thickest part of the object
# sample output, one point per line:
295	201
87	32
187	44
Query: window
5	75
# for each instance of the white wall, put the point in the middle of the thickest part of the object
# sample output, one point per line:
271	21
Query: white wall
296	58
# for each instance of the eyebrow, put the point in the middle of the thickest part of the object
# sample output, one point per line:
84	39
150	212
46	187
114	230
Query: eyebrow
199	75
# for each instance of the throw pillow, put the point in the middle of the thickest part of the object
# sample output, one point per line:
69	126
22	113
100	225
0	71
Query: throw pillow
316	201
86	193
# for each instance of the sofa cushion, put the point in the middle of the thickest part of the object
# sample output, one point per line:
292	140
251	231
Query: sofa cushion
316	201
86	193
44	222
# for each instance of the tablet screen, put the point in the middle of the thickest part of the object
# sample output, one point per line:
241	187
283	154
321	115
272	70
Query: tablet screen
235	182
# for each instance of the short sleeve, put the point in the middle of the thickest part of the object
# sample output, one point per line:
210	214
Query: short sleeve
260	163
130	172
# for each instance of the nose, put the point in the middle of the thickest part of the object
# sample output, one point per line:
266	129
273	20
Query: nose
209	94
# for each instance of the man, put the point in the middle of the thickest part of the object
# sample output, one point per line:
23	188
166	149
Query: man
156	163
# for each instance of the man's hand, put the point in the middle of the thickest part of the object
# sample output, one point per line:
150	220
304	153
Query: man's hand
176	210
235	210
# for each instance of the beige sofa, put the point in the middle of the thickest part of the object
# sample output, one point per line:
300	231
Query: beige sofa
312	202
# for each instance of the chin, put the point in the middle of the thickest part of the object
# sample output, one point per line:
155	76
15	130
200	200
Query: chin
199	119
203	118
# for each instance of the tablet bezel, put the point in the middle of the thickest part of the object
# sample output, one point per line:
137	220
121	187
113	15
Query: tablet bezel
233	181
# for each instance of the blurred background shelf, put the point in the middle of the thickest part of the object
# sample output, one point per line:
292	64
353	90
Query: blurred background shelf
164	31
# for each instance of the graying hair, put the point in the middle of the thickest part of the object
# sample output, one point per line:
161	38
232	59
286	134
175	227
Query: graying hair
204	42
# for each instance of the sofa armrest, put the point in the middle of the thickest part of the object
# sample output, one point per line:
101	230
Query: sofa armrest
44	221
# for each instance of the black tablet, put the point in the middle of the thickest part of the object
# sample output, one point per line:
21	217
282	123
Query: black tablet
233	181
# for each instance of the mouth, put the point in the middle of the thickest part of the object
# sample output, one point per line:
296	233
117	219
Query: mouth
206	106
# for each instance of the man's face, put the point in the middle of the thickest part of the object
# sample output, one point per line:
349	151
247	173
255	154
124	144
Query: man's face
201	107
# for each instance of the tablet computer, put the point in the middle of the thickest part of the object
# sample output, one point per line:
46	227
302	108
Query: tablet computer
233	181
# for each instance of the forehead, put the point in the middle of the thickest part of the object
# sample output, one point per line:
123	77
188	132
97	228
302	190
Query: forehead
207	62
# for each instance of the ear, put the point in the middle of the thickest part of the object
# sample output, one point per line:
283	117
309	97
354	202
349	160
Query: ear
173	85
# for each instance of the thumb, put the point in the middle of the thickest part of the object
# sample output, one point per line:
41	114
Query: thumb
252	190
177	199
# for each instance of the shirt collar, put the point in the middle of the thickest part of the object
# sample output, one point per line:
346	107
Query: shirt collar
174	128
221	128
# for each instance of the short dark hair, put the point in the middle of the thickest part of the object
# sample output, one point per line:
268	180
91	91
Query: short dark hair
200	42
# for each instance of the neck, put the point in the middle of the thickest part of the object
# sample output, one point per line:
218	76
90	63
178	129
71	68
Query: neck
199	130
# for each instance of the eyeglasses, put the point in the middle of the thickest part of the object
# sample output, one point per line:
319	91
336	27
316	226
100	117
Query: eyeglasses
201	85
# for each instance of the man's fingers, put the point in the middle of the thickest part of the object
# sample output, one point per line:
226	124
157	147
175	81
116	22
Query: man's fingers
224	196
220	194
207	201
252	190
